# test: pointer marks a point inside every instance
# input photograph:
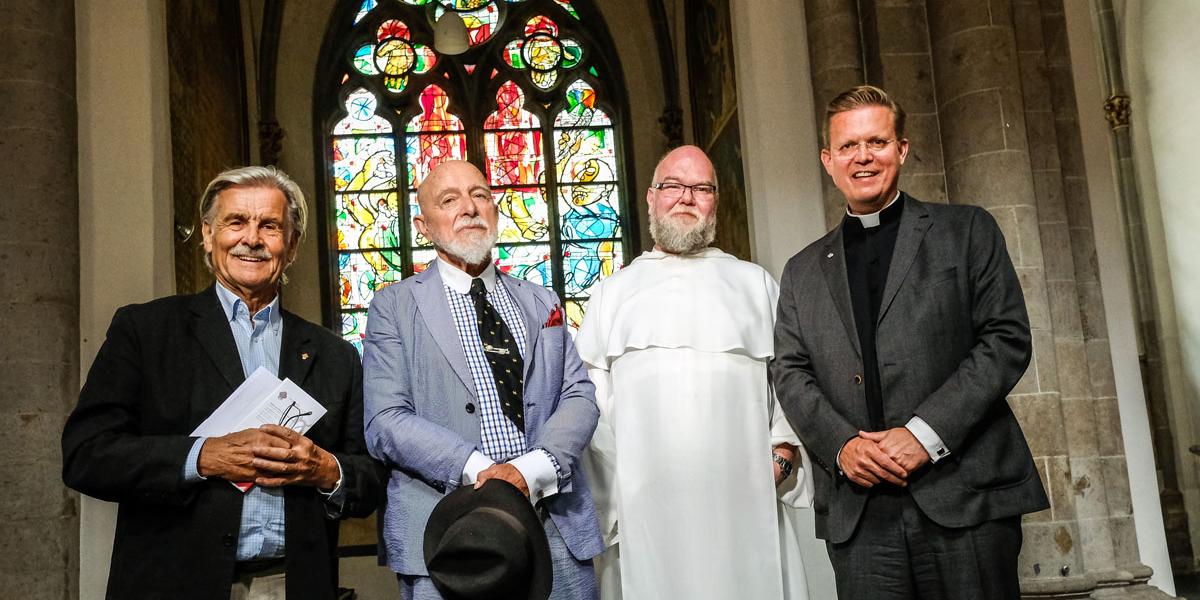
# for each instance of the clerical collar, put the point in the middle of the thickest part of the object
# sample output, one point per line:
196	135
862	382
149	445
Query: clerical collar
872	220
460	281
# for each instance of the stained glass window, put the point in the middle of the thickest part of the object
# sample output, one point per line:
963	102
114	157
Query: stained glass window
526	103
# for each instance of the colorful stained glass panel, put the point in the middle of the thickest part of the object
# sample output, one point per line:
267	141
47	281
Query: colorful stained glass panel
544	79
415	238
426	151
566	4
395	57
364	60
364	273
435	114
523	215
531	263
354	328
585	264
364	163
422	259
361	117
542	52
540	23
575	313
367	6
392	28
510	114
367	221
572	53
512	54
585	155
589	212
514	157
581	108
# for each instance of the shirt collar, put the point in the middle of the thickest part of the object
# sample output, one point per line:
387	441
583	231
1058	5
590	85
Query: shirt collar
230	302
872	220
459	281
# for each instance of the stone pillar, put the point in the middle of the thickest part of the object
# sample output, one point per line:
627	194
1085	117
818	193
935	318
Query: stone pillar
988	163
906	72
836	62
39	296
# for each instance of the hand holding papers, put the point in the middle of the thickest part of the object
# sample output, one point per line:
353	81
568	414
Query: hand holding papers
257	433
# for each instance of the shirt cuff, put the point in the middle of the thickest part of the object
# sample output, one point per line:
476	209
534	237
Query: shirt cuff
475	463
191	465
540	471
928	437
336	498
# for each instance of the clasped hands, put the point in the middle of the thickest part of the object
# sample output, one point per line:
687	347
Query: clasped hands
876	456
269	456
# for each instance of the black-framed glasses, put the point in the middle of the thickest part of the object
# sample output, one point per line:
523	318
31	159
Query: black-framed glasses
674	189
291	416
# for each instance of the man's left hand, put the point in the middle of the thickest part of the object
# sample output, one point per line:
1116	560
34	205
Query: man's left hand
506	472
305	463
900	445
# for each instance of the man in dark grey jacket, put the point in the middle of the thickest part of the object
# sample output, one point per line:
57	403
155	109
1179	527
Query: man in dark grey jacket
898	336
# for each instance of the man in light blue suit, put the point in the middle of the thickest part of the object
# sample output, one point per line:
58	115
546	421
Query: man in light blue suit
470	375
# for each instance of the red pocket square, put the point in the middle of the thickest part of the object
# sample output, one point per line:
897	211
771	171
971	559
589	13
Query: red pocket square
556	317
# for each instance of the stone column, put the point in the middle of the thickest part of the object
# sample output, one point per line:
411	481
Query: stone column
836	62
39	296
988	163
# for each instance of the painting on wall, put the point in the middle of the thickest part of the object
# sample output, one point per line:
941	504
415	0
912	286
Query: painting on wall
713	94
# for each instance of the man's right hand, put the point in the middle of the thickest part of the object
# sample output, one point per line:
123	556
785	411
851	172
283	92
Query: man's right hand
866	464
231	455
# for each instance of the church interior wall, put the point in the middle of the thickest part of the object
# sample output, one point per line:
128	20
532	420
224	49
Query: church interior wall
126	252
126	182
1113	271
1158	40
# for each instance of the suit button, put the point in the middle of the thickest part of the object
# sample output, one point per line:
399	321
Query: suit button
228	540
857	379
470	408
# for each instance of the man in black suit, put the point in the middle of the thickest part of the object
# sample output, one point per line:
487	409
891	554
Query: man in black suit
899	334
182	530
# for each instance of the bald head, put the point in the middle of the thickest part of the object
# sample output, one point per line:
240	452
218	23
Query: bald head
683	201
458	215
685	157
450	171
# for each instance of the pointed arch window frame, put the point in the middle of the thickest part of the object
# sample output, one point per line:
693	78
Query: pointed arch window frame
472	98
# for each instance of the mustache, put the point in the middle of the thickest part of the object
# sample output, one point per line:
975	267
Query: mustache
243	250
465	222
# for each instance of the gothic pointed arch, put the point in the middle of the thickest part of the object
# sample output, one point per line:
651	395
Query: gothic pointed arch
535	102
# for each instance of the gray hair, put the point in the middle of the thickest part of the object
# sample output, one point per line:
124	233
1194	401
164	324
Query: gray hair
257	177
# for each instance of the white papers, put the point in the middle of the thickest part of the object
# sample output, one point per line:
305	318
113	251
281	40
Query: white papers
262	399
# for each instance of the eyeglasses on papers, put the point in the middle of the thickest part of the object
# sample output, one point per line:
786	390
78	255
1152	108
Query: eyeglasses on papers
672	189
291	416
873	145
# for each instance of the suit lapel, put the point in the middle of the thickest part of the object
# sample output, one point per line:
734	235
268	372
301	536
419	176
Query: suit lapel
833	265
297	353
529	311
435	312
211	328
914	222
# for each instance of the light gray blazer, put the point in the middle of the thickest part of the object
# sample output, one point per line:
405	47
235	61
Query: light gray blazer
416	388
952	339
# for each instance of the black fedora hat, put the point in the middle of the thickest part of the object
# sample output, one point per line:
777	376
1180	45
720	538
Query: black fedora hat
488	543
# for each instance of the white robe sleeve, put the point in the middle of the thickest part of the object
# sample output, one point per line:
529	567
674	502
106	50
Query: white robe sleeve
600	458
797	490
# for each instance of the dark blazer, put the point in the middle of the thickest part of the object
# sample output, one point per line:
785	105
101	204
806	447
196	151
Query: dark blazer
952	340
164	367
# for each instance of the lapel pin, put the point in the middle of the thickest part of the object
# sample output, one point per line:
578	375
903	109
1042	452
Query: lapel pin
830	255
303	356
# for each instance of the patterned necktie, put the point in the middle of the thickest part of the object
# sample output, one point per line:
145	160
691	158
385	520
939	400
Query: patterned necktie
500	348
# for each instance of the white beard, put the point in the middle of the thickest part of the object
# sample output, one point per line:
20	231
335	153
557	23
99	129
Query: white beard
676	238
471	248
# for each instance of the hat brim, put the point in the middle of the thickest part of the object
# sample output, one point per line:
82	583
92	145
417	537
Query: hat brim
500	495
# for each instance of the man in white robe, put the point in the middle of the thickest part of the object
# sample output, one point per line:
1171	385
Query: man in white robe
692	459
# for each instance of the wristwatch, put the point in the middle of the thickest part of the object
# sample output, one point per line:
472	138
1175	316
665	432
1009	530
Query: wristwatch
785	465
